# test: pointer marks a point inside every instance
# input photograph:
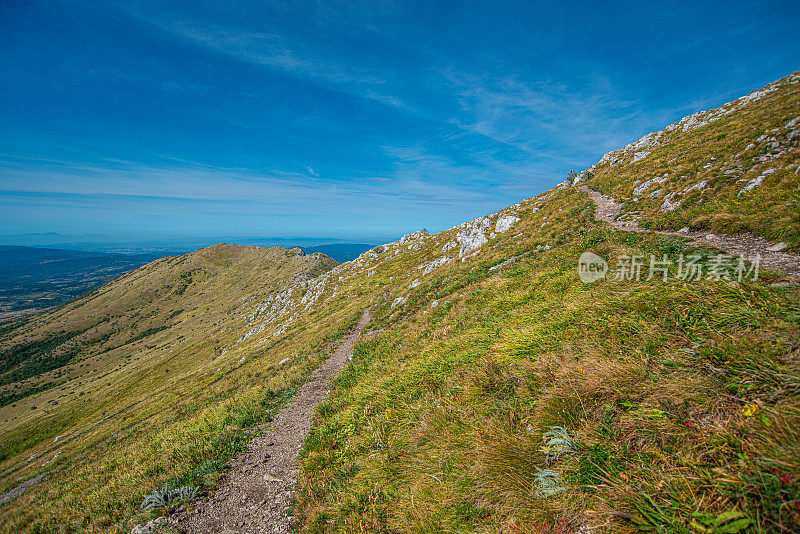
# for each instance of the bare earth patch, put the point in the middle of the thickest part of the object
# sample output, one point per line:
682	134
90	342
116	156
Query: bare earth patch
255	496
747	245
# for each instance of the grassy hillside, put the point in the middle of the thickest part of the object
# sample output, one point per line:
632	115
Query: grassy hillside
681	399
495	392
113	369
729	170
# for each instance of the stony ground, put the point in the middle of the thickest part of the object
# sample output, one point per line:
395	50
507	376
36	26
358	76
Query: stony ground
746	245
255	496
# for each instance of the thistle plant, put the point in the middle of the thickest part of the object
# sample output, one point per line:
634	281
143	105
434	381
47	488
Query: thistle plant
557	441
167	495
547	483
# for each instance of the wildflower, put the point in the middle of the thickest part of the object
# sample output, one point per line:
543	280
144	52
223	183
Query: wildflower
750	410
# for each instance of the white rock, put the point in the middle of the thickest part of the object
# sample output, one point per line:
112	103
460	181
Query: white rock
472	235
777	247
697	187
645	186
752	184
668	205
434	264
150	528
410	237
504	223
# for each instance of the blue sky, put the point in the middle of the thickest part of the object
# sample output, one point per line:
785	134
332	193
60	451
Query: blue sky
355	120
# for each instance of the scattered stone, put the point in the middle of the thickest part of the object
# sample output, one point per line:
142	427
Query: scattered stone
668	205
777	247
413	236
151	527
399	301
649	183
752	184
434	264
700	185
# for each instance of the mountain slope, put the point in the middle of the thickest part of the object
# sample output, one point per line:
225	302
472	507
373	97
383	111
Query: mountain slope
495	392
731	170
115	363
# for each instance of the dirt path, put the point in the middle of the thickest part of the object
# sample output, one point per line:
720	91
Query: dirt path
256	492
746	245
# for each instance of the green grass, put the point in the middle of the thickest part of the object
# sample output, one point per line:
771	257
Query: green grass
438	425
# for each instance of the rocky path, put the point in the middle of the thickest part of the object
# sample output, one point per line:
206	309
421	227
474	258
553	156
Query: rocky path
256	493
746	245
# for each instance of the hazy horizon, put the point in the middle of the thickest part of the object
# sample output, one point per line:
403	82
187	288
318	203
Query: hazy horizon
114	244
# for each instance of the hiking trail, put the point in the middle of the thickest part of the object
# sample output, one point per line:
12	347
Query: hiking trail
256	492
746	244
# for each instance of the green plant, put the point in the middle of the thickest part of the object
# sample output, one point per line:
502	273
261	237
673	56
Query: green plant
558	442
547	483
724	523
166	496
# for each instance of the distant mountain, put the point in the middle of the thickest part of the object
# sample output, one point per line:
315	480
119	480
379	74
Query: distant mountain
35	278
340	252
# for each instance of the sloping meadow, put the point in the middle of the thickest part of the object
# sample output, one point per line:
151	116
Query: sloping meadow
733	169
525	400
